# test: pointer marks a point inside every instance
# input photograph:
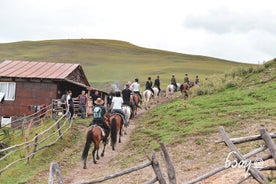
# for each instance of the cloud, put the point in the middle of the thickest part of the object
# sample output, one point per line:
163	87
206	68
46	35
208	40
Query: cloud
222	21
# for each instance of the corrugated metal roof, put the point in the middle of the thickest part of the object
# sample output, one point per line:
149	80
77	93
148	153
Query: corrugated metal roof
32	69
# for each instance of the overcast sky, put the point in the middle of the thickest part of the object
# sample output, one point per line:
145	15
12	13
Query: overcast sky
239	30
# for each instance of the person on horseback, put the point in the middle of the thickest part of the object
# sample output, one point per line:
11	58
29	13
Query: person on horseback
149	86
98	117
127	96
197	80
173	82
186	80
135	86
157	84
116	106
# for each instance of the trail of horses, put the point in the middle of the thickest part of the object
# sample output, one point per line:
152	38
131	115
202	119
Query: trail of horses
76	173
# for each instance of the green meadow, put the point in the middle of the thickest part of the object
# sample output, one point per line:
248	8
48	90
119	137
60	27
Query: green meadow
109	61
240	97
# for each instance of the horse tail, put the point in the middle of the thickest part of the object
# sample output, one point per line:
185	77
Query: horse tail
89	139
113	131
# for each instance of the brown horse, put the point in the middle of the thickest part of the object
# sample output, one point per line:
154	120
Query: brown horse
136	100
116	123
184	90
94	133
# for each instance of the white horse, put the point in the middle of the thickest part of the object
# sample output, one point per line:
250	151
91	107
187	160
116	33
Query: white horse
170	90
155	94
147	95
127	110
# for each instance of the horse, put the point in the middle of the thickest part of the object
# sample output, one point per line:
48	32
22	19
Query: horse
184	90
147	95
136	100
170	90
116	122
95	134
128	112
156	93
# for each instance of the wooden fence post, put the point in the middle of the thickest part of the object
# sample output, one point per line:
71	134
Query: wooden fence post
59	132
156	168
169	164
27	139
54	169
35	145
253	171
269	143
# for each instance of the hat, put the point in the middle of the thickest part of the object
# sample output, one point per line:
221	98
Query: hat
99	101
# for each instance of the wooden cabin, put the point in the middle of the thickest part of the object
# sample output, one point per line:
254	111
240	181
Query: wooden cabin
27	83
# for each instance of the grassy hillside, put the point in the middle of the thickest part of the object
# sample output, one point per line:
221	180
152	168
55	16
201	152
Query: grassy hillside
109	61
237	100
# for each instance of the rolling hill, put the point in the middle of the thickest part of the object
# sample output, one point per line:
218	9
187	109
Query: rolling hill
111	61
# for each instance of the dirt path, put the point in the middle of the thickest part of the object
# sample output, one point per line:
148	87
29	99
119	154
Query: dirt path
192	158
76	173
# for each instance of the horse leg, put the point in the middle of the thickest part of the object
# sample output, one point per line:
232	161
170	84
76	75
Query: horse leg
84	163
120	134
102	154
93	153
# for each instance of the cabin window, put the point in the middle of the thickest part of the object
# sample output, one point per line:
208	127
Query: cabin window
9	89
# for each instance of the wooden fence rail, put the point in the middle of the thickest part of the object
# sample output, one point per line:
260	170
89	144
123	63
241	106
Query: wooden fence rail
153	162
255	172
40	141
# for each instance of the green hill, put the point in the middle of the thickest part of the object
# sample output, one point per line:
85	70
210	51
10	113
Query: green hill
110	61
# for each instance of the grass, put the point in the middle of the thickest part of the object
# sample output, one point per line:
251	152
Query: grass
202	115
64	151
226	98
108	61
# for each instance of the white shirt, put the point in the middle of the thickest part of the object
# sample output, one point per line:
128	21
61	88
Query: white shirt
135	86
117	102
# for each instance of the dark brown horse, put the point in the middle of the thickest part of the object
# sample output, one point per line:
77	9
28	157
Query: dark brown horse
94	133
136	100
116	123
184	90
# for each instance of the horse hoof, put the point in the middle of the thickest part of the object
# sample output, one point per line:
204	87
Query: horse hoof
95	162
102	155
85	167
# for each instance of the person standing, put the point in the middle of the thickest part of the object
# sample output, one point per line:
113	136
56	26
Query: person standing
82	103
95	96
70	104
157	84
110	97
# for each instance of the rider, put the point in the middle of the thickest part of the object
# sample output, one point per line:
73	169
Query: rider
127	95
135	86
173	82
186	80
116	106
157	84
149	85
98	114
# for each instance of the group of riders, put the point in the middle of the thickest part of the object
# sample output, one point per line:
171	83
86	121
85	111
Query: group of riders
115	101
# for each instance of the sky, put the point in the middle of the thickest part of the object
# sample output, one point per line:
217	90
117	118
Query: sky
237	30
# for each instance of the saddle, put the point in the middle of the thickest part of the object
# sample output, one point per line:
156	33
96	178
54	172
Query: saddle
102	130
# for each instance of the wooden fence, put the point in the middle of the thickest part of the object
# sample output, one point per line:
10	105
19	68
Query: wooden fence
33	142
243	159
153	162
